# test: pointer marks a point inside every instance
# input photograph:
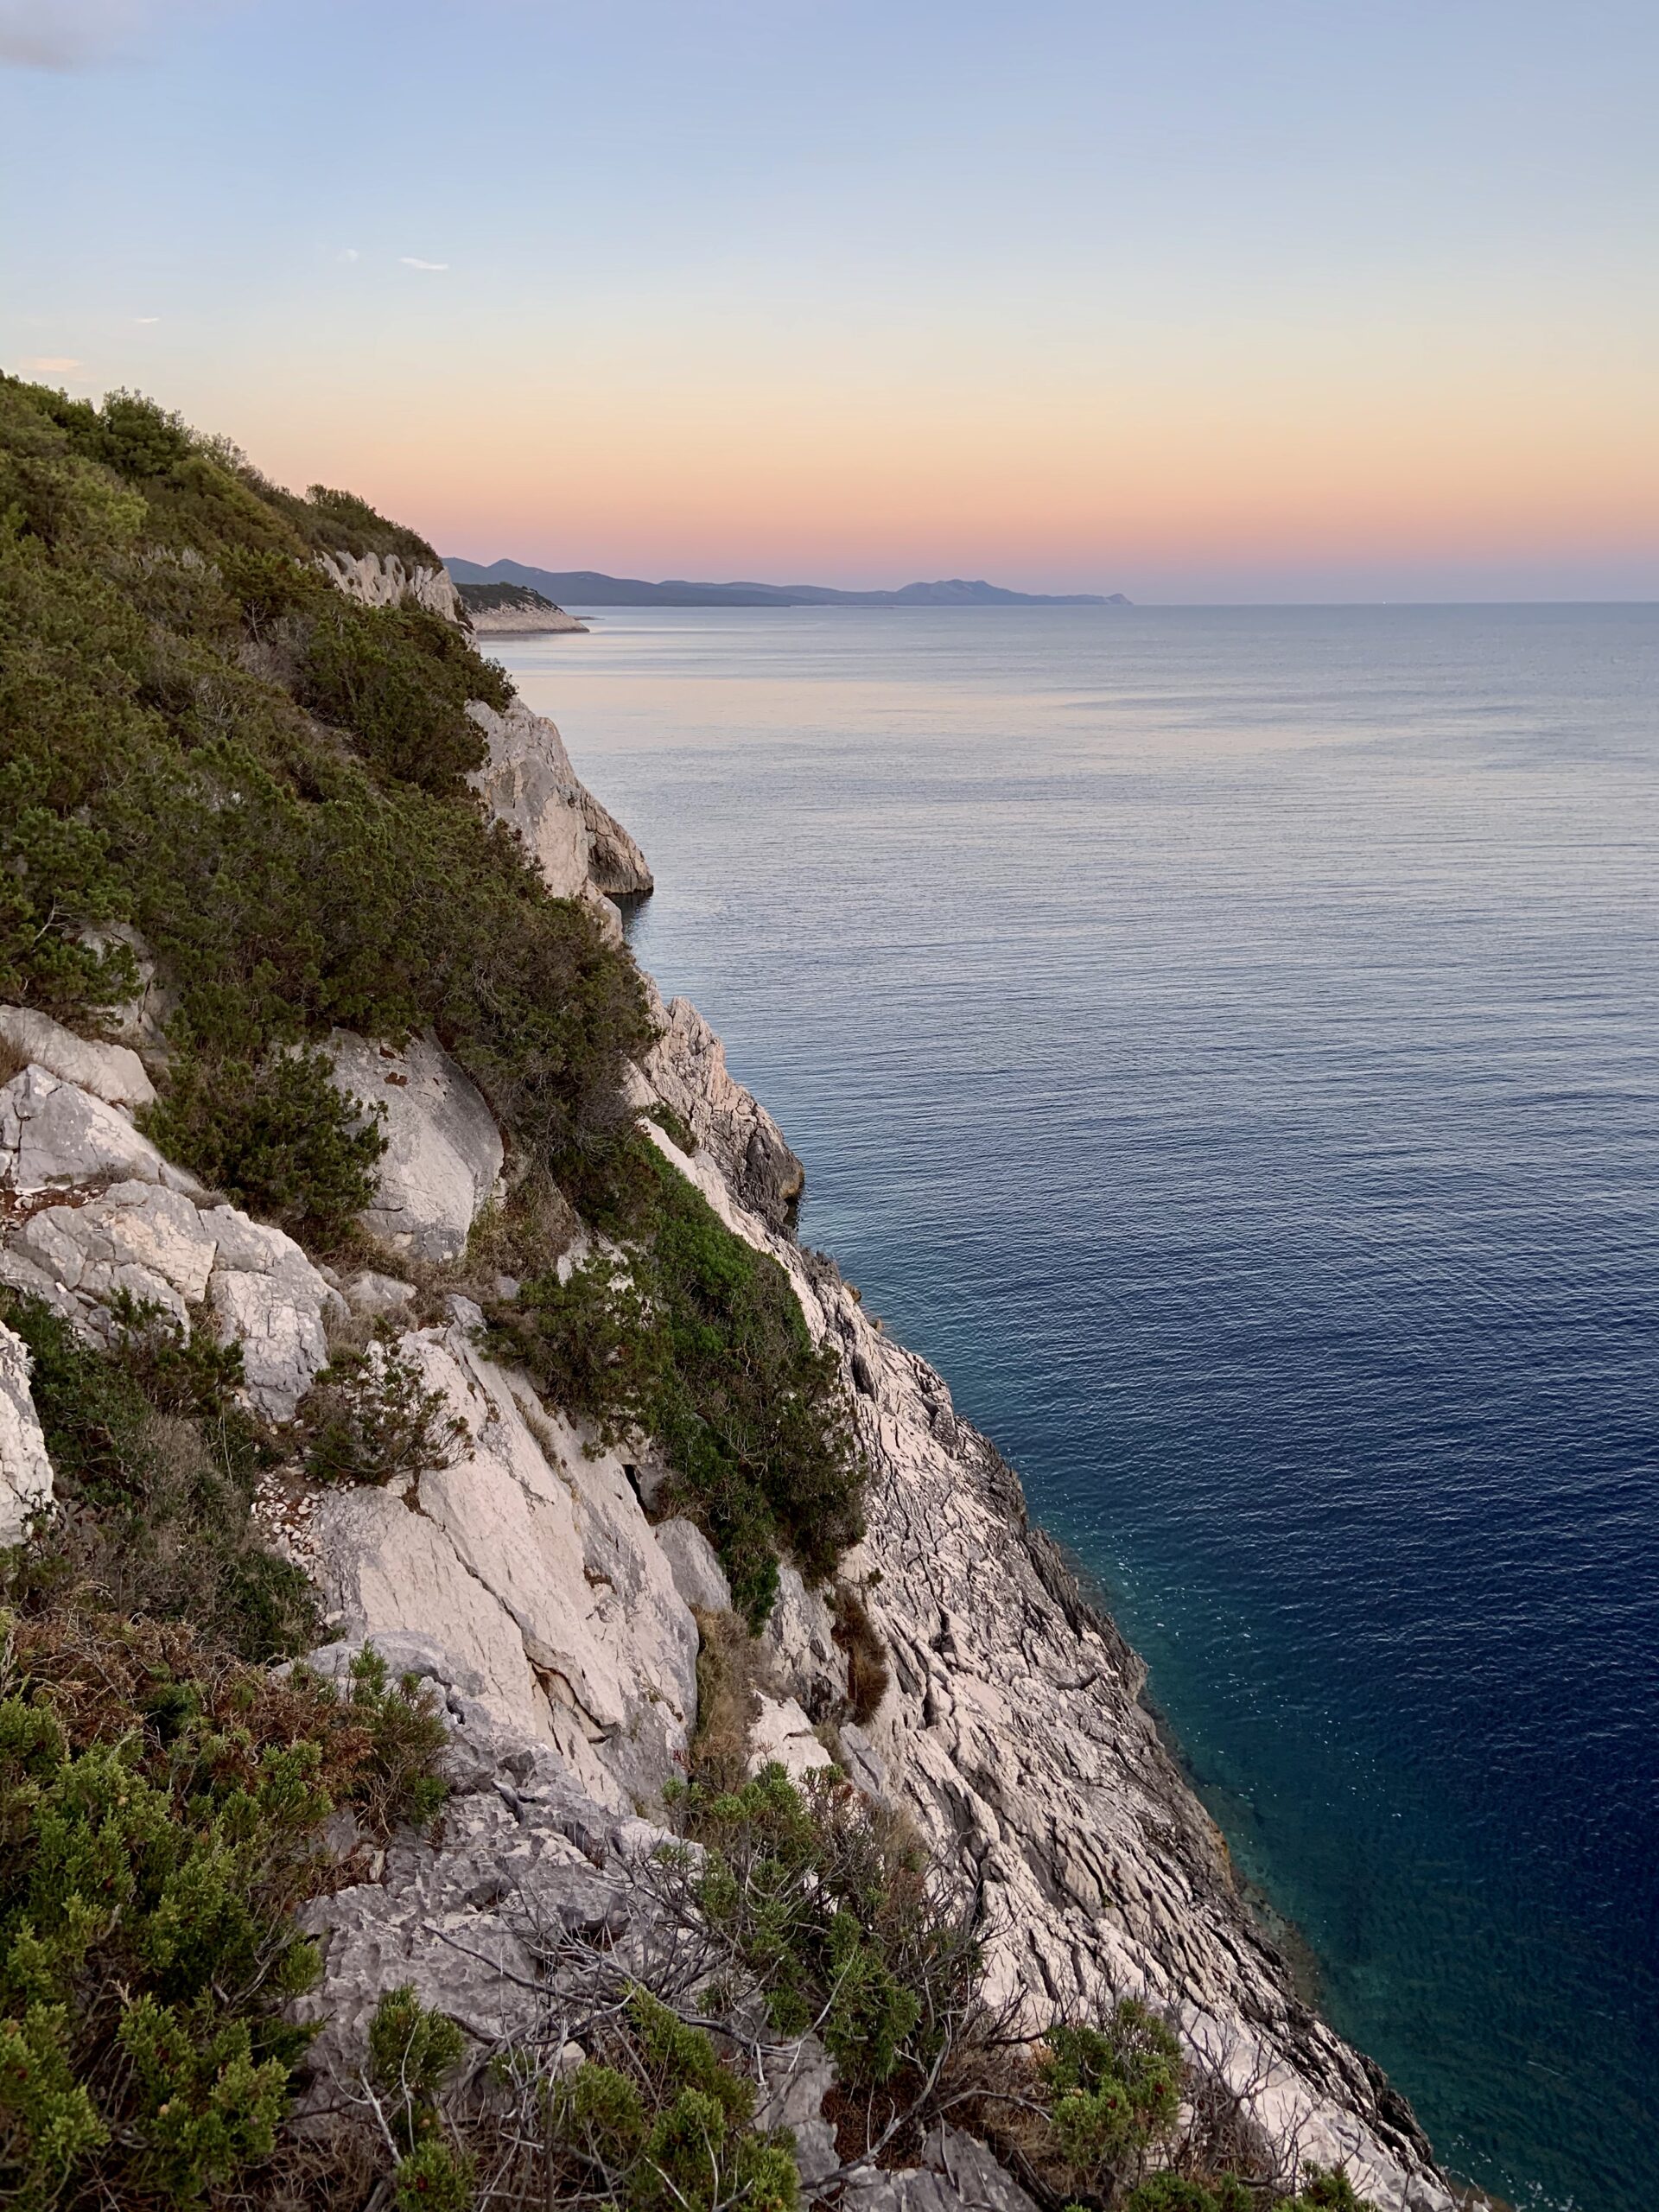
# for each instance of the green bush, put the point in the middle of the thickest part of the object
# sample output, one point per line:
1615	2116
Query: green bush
275	1137
370	1419
159	1819
699	1340
1171	2192
1113	2092
154	1463
832	1907
398	680
659	2123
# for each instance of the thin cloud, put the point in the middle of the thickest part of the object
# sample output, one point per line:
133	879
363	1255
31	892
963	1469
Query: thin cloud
414	261
53	364
78	33
348	253
141	319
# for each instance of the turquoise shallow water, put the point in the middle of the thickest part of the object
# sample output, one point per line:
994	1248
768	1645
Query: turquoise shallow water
1225	1042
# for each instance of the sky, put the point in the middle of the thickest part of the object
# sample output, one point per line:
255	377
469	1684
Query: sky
1202	300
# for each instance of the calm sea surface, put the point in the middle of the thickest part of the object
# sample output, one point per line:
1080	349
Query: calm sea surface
1226	1043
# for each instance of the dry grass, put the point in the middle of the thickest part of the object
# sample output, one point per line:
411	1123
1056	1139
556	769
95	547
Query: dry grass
868	1672
727	1659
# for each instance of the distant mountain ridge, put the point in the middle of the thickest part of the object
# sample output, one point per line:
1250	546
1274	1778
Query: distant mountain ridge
588	587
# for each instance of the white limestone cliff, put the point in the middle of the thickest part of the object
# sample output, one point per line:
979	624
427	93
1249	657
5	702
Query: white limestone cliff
526	1580
387	579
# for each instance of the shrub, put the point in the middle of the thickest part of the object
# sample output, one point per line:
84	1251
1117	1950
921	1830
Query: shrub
700	1340
1172	2192
370	1419
829	1905
1113	2092
411	2053
656	2122
868	1672
275	1137
398	680
159	1819
154	1463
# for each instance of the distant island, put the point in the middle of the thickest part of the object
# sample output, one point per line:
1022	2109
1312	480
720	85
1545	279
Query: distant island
587	587
512	610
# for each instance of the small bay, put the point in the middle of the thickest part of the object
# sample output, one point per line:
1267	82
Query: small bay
1226	1043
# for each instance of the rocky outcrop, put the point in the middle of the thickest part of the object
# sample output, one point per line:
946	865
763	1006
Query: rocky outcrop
443	1151
89	1209
387	579
112	1072
528	783
25	1470
685	1071
530	1561
514	610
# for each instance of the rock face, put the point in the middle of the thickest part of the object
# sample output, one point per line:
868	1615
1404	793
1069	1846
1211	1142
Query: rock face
686	1071
25	1470
89	1209
112	1072
532	1564
443	1151
529	784
386	580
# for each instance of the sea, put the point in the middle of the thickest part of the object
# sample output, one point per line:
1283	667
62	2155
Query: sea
1225	1042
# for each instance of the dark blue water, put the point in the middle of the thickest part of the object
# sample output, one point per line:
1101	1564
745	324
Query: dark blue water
1226	1044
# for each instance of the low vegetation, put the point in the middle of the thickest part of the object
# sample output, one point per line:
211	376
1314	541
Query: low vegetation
692	1336
154	1463
161	1818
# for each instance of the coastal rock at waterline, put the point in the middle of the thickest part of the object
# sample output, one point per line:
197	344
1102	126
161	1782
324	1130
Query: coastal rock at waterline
153	1233
528	783
25	1470
686	1070
443	1151
112	1072
387	579
532	1563
616	865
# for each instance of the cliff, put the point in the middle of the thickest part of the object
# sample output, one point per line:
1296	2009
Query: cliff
411	1242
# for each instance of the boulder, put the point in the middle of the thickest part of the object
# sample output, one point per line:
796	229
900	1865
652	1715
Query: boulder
443	1151
371	1295
781	1735
112	1072
25	1470
55	1135
955	2174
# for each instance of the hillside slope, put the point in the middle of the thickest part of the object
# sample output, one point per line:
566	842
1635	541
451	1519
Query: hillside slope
693	1726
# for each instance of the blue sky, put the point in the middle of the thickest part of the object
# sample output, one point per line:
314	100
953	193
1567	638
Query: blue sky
1205	302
